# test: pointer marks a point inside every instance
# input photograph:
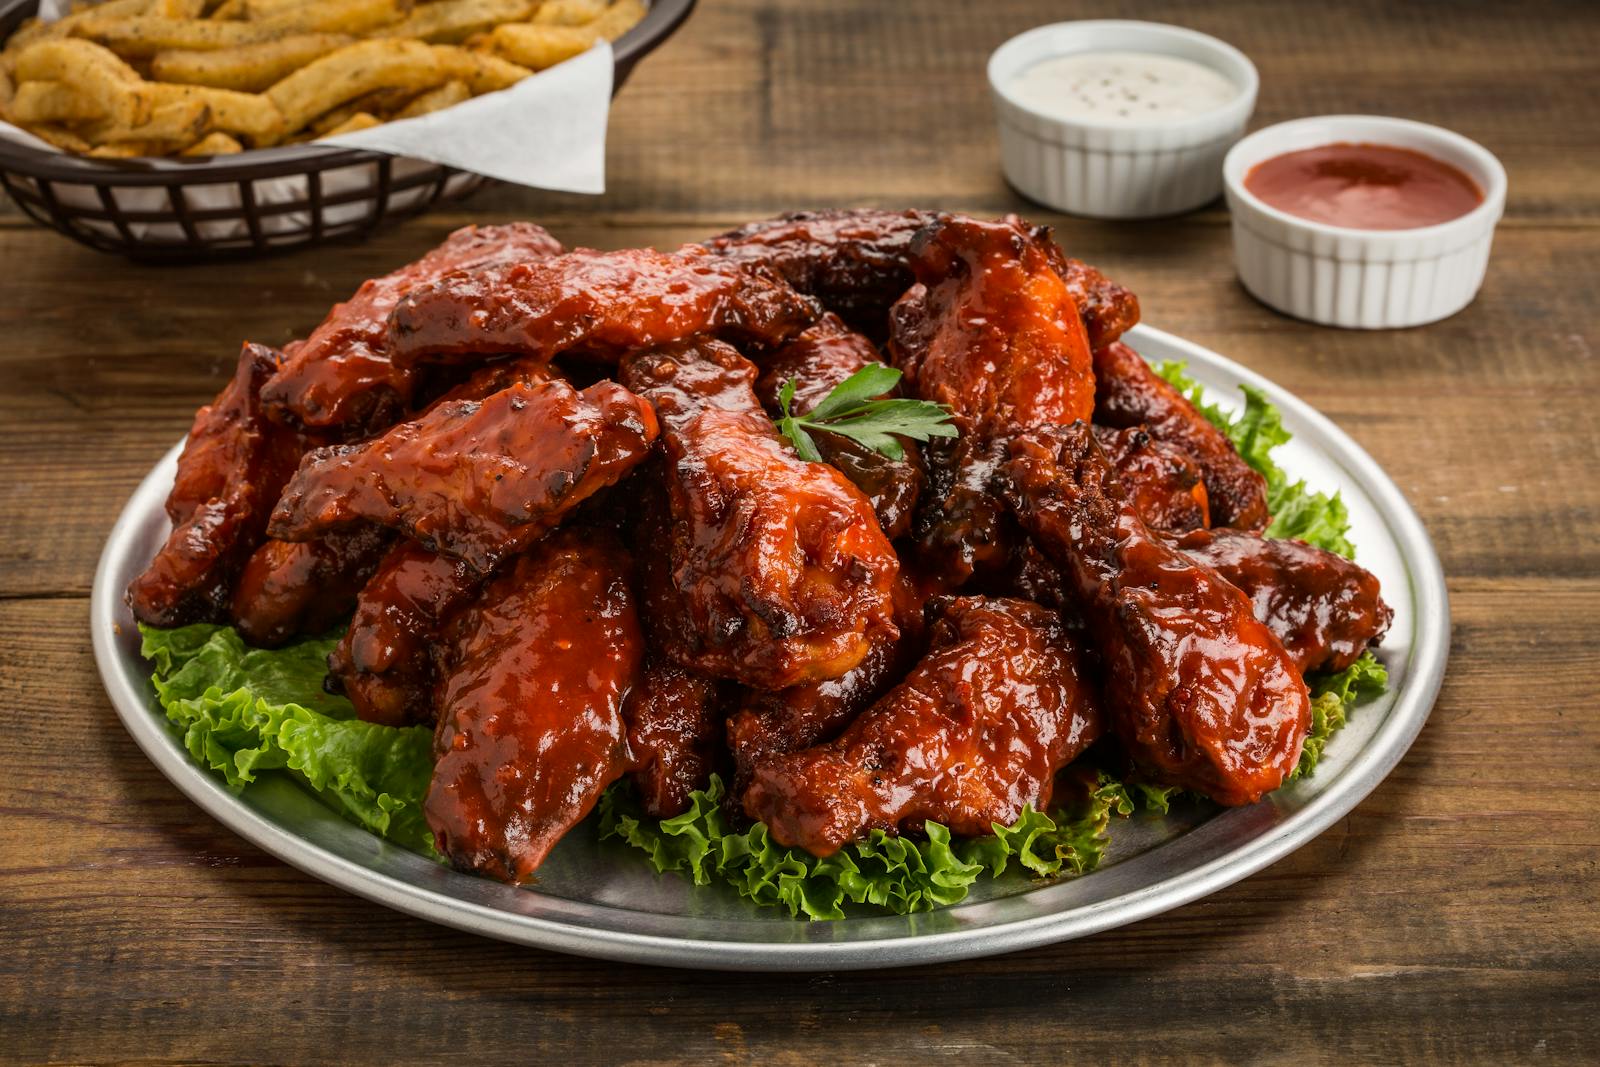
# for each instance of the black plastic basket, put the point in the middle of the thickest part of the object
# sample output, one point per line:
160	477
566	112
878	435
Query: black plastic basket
270	199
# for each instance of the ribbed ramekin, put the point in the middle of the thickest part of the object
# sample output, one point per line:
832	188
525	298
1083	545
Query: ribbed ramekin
1362	279
1105	169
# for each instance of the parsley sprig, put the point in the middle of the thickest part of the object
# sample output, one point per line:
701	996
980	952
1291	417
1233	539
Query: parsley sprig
851	411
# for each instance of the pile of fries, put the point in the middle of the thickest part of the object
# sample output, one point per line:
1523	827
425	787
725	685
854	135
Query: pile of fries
129	78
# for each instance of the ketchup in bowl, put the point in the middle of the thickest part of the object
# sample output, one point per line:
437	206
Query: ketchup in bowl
1364	187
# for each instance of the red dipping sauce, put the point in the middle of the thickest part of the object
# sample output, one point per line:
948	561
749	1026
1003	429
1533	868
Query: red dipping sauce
1364	187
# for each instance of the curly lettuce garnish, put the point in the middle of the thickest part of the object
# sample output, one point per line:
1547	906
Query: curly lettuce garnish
900	874
246	711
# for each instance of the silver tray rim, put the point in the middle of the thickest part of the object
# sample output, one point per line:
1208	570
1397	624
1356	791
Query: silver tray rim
1220	851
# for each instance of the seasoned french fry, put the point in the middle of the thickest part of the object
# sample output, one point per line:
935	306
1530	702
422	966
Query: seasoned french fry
338	16
569	12
176	9
361	120
205	77
128	150
348	73
179	121
449	21
215	143
93	71
449	94
144	35
263	9
35	30
247	68
378	102
539	47
253	115
40	101
483	72
59	136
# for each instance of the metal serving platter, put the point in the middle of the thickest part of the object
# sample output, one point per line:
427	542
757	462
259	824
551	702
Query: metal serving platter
604	900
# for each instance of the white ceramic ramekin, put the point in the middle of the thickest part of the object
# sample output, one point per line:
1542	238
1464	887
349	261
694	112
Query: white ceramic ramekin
1105	169
1362	279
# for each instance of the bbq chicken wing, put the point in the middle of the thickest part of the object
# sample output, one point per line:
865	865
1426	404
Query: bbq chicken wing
822	357
602	304
858	264
1128	393
1322	607
674	718
1201	693
530	728
385	661
855	262
342	377
476	480
1163	482
769	723
976	731
290	588
782	571
234	464
961	528
991	330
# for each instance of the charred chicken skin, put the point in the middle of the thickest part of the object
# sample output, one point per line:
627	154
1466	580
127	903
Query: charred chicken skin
769	723
475	480
976	731
674	719
1201	693
783	573
530	726
600	303
385	662
855	262
858	263
1164	484
1128	393
341	376
234	464
1324	609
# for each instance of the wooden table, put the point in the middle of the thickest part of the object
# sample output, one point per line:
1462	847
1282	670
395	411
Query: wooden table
1452	915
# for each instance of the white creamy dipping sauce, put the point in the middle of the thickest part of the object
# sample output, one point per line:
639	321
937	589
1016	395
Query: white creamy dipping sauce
1122	87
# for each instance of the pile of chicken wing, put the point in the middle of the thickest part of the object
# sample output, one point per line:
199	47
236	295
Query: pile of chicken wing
546	490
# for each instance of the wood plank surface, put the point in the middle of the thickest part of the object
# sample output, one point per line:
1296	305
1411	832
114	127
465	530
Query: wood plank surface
1452	916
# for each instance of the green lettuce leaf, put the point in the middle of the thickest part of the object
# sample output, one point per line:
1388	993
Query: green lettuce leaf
1297	512
900	874
1332	696
243	712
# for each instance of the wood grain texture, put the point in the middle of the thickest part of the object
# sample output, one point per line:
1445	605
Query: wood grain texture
1452	916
